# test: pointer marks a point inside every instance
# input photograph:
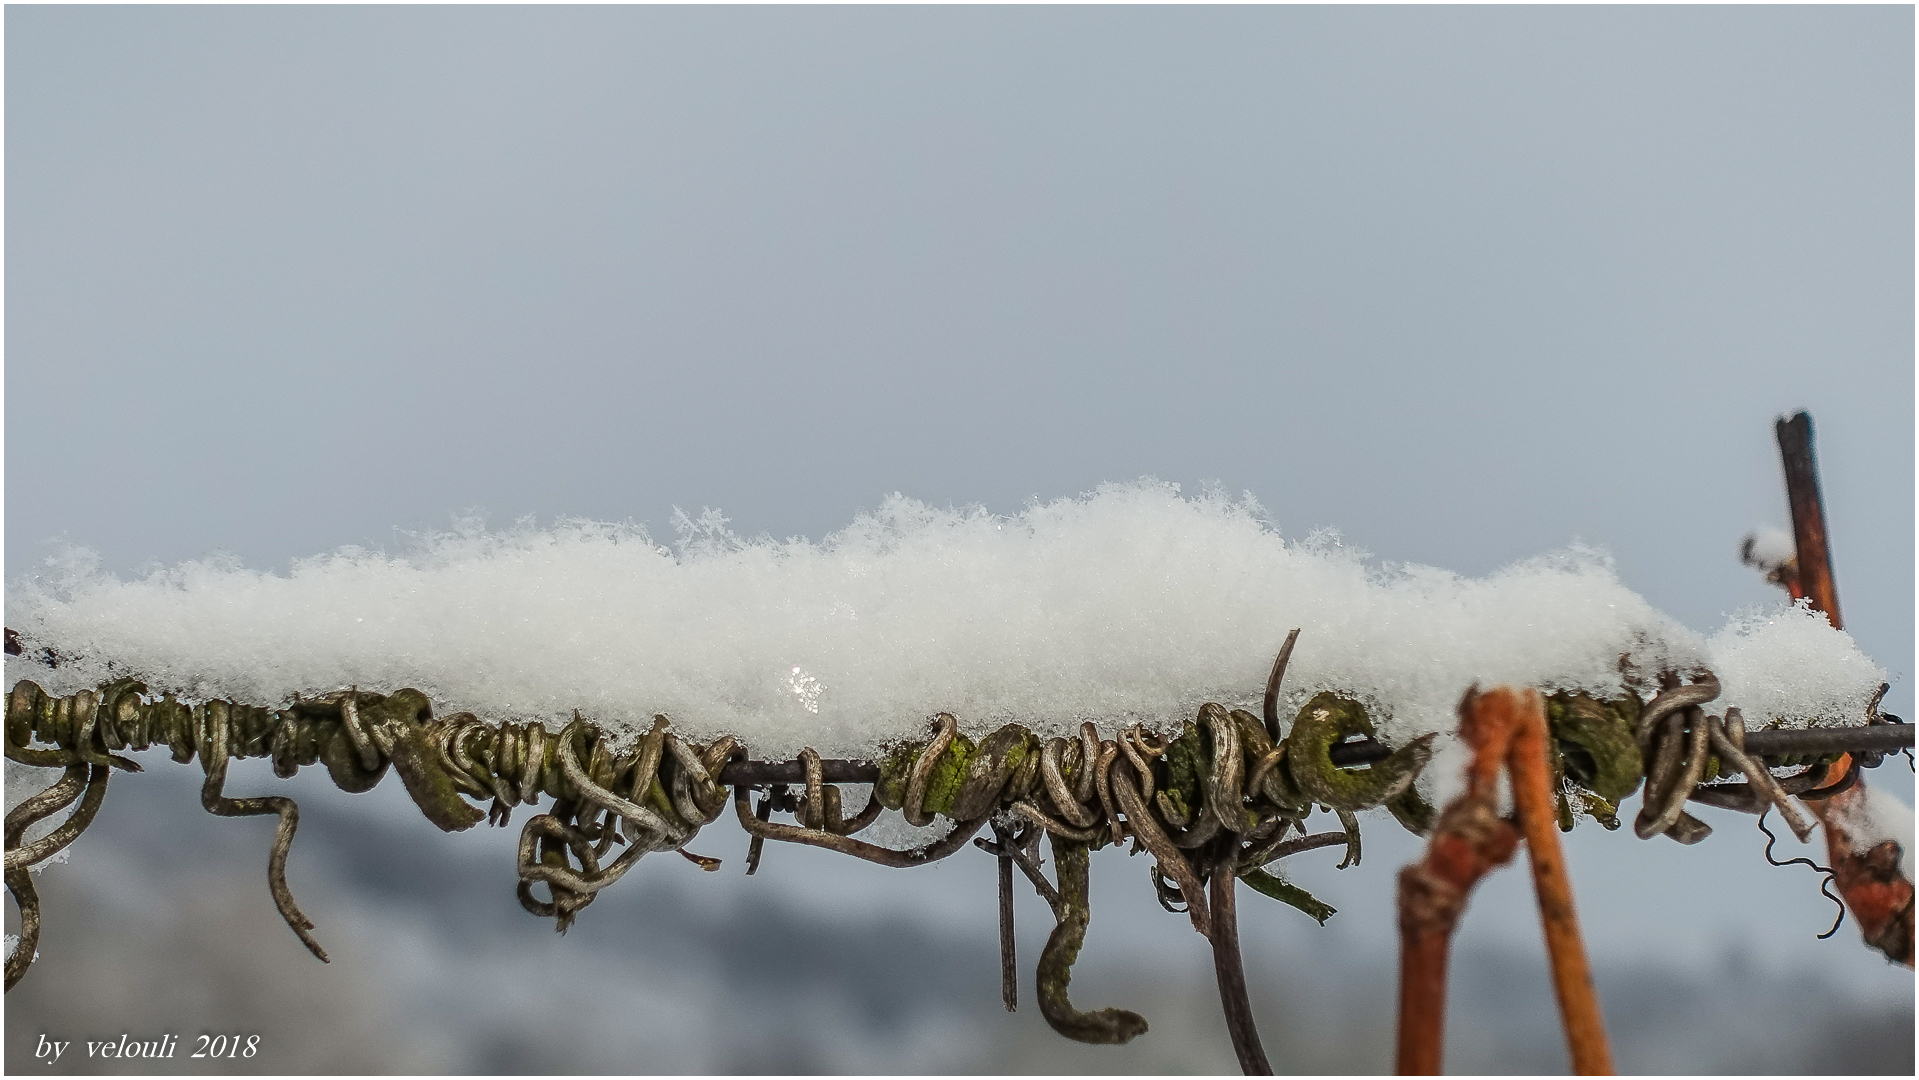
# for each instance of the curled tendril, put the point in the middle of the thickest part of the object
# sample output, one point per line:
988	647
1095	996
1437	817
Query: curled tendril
1597	744
1213	802
1218	800
1071	913
1825	883
1673	738
1325	722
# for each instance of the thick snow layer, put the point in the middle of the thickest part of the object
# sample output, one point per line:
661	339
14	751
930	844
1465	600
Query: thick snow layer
1765	659
1131	603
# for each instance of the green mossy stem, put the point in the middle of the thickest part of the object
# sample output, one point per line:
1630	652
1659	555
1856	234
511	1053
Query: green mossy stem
943	787
1111	1027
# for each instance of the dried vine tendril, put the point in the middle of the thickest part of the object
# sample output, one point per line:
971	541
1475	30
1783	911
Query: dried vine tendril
1218	797
1824	883
1215	802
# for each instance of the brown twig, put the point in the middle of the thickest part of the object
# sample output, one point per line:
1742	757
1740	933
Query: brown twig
763	813
1814	560
1877	894
1269	706
1469	841
1538	817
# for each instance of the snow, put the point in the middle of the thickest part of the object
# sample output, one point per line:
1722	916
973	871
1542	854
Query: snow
1133	602
1763	657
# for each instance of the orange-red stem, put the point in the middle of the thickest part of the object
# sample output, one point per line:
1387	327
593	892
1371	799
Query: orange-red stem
1878	895
1539	820
1470	840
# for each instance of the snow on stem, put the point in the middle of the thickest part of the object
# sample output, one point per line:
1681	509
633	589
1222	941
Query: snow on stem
1869	875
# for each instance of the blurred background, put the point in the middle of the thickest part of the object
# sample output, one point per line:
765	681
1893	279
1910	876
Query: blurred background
1467	285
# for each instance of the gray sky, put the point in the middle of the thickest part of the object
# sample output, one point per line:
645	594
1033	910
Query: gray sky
1466	284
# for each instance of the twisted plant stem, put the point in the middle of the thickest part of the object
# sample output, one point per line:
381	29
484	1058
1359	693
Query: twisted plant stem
1879	895
1074	911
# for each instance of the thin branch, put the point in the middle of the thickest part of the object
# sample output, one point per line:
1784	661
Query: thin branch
1879	896
1814	561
